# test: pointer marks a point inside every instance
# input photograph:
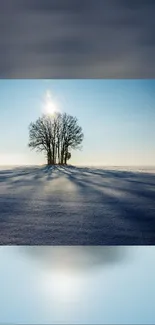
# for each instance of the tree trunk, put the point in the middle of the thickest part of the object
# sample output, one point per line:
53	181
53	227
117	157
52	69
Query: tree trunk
55	161
48	160
53	151
58	152
62	157
66	154
49	157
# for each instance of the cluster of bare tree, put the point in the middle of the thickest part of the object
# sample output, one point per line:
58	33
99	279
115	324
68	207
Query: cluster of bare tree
55	135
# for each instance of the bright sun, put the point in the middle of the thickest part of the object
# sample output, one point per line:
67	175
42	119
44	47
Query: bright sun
50	105
50	108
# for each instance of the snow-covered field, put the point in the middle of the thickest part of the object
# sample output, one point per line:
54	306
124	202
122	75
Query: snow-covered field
77	205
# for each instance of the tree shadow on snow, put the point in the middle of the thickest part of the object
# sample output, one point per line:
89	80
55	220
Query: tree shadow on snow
113	207
130	200
77	258
26	175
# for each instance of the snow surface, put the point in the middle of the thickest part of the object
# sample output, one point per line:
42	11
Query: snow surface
77	205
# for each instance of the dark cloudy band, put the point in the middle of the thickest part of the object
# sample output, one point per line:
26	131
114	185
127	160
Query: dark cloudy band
77	39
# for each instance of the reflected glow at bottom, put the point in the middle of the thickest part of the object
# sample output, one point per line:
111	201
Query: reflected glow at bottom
60	285
59	288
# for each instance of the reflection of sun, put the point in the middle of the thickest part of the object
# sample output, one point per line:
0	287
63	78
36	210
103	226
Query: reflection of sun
62	286
50	105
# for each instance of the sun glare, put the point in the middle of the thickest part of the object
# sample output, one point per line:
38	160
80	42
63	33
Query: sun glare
50	104
62	287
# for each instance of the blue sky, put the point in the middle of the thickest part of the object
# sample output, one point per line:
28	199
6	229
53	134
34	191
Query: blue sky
117	117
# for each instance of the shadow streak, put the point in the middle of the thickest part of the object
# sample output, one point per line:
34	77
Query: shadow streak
77	258
112	207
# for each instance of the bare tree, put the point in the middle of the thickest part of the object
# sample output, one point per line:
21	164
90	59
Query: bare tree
67	156
73	135
40	137
55	136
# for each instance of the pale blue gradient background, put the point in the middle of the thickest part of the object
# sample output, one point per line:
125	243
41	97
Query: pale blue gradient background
117	116
116	293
